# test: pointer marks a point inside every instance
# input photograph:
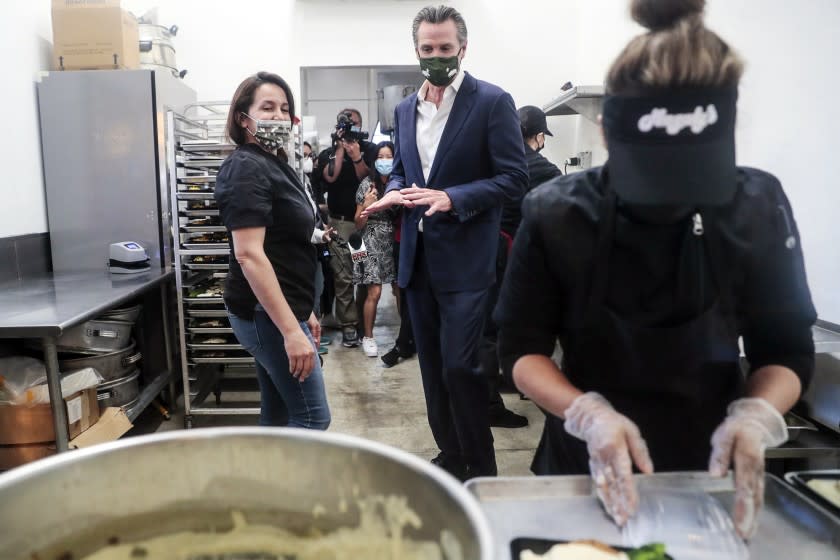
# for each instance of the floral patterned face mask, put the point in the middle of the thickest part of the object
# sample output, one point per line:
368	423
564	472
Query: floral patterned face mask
270	134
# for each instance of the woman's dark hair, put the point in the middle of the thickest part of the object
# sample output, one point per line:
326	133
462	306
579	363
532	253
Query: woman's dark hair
677	51
244	97
375	176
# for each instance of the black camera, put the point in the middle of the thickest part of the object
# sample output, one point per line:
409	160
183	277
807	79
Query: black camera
346	130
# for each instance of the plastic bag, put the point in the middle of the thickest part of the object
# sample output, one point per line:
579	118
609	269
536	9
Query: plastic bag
692	524
19	373
70	383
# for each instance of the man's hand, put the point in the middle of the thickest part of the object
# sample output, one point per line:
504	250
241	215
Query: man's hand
392	198
351	147
328	233
437	201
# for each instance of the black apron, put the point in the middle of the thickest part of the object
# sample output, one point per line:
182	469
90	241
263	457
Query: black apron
673	381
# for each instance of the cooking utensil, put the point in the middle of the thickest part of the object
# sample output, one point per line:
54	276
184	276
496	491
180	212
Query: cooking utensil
119	392
96	335
800	480
110	366
181	477
128	314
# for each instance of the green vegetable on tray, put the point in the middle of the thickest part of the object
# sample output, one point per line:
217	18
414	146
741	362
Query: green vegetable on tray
653	551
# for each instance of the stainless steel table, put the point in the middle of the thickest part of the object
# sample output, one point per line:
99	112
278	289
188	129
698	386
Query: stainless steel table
45	306
564	508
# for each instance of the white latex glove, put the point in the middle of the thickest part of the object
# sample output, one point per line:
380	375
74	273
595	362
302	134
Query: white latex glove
612	440
751	426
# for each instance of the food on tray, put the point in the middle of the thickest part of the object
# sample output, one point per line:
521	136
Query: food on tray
194	188
209	259
206	221
213	237
594	550
212	324
212	289
828	488
200	205
209	354
214	340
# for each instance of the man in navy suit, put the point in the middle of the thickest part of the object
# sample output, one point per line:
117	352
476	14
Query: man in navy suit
459	157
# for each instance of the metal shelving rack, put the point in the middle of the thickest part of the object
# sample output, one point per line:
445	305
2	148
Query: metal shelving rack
212	360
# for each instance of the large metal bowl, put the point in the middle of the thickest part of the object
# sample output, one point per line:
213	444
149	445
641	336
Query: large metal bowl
49	506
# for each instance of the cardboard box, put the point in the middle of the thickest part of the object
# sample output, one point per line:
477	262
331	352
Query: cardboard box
24	424
94	35
112	424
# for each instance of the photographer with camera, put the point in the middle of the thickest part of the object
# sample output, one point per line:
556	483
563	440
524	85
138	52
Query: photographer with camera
342	167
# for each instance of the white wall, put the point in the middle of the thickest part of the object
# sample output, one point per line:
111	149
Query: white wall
787	116
25	41
530	48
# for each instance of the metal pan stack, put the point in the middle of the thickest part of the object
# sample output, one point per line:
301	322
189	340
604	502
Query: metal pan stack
106	344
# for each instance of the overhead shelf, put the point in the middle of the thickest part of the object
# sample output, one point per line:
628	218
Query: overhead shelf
579	100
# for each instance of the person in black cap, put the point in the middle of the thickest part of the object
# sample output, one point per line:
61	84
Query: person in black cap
534	129
648	270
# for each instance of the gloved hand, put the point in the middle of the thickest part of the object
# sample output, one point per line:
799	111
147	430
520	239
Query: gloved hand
611	439
751	426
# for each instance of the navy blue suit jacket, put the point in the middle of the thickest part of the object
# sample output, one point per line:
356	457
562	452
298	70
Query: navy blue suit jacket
480	163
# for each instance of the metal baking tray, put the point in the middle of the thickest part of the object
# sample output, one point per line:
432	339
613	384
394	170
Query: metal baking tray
209	146
206	312
800	480
565	508
203	163
195	195
204	300
242	360
203	229
208	212
796	425
215	346
207	266
202	187
209	330
192	179
207	246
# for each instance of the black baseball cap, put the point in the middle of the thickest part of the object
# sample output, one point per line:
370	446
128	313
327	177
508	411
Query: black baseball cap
673	147
532	121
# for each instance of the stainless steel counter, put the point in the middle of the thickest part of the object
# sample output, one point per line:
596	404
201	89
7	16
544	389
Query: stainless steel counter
826	340
46	305
564	508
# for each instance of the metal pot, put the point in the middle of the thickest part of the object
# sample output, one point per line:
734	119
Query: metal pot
157	51
119	392
128	314
184	474
97	336
110	366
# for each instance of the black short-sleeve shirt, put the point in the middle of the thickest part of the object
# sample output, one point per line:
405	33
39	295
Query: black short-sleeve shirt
341	195
256	189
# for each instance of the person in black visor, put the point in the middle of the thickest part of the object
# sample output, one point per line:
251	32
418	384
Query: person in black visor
648	270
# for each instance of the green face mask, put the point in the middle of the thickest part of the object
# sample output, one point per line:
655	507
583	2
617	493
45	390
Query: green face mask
439	70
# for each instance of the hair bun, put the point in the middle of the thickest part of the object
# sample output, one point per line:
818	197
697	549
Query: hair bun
662	14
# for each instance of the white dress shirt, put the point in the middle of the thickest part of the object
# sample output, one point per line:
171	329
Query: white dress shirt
431	120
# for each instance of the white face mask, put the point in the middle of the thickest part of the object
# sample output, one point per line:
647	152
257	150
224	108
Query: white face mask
307	165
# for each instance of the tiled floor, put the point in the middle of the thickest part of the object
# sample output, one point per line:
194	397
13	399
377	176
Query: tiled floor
386	405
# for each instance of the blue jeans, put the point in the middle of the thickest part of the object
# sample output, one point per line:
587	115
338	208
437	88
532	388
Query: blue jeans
283	399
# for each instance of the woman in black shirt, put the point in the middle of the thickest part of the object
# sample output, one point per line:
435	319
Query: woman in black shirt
648	270
269	292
